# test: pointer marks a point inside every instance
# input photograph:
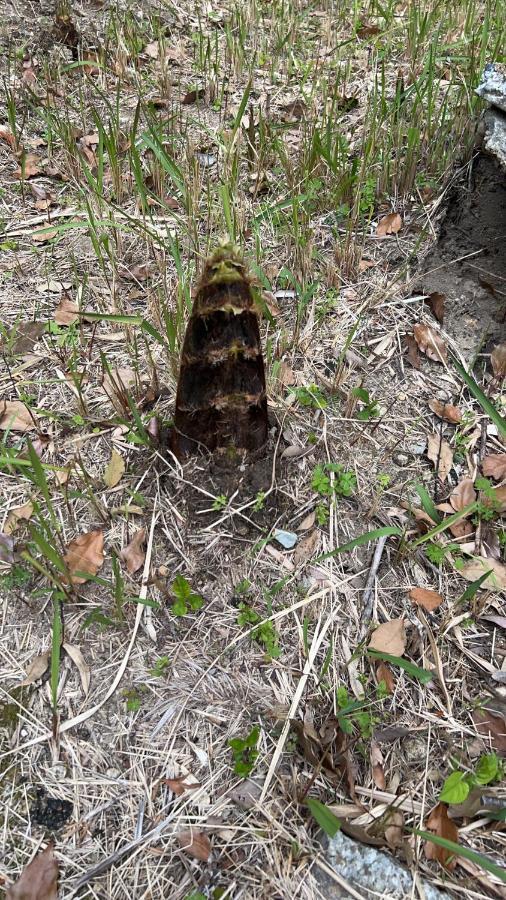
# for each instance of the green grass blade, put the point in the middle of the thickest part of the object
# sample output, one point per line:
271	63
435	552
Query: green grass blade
56	640
486	405
473	588
39	478
386	531
110	317
427	504
242	107
445	524
458	850
324	816
422	675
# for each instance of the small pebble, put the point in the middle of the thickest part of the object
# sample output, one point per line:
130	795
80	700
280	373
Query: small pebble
287	539
401	459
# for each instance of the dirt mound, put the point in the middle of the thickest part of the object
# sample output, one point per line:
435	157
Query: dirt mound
468	263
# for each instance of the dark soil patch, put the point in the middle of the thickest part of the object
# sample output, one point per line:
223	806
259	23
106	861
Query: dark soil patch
50	812
243	481
475	286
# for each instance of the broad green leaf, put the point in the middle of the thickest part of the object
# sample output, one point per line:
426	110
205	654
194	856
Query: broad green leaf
487	769
324	816
456	788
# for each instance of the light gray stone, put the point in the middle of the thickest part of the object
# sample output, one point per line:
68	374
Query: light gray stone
494	139
492	86
370	872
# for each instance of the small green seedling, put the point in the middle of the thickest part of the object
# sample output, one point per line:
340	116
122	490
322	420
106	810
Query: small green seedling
343	485
370	408
245	752
265	634
458	785
160	667
310	396
220	502
133	699
185	598
259	501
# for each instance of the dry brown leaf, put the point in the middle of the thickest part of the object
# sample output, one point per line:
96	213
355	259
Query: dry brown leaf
67	311
413	354
394	828
152	49
114	470
441	454
421	516
16	515
378	773
446	411
494	466
498	360
430	600
389	224
246	793
8	137
37	668
492	727
91	62
306	548
366	264
463	494
477	567
461	529
82	666
180	785
39	881
294	452
44	235
29	166
87	152
195	843
384	673
497	499
85	554
490	546
26	336
389	637
307	522
192	96
285	374
439	823
15	416
134	554
436	302
429	342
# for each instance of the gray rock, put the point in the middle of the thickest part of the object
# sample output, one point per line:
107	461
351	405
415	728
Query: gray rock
494	138
492	86
367	869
